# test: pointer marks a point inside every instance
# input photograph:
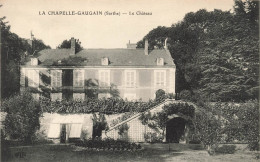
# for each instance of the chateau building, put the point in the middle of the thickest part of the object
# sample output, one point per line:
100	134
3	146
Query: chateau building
129	73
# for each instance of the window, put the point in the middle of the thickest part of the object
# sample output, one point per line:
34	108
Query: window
130	96
160	61
33	78
56	80
78	78
159	78
130	78
78	96
104	78
104	95
56	96
104	61
36	96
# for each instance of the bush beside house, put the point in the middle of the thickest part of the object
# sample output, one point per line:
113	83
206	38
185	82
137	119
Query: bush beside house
22	119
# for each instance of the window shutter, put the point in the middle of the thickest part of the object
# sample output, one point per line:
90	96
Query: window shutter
104	78
36	78
22	79
56	78
78	78
53	76
58	75
74	78
81	78
30	78
130	78
108	78
159	78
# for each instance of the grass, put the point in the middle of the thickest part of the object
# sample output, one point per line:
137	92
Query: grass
151	152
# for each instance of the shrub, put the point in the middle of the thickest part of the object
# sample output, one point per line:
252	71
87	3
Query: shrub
229	122
160	94
208	129
122	131
5	148
185	95
226	149
109	144
239	122
22	119
41	138
153	137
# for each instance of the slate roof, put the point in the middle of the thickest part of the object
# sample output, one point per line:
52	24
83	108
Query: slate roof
92	57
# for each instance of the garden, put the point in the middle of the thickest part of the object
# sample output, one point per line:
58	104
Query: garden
218	127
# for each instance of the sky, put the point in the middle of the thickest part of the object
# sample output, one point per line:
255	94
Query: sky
98	31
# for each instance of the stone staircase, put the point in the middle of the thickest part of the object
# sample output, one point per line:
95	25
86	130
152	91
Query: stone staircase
154	109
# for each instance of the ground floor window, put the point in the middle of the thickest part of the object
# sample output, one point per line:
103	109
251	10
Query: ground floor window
56	96
130	96
36	96
104	95
79	96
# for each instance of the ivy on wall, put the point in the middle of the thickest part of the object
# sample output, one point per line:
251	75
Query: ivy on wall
158	120
91	105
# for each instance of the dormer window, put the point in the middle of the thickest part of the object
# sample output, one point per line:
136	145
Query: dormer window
160	61
104	61
34	61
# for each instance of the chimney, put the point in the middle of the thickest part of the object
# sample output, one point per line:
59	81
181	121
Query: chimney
73	46
165	44
146	47
131	45
34	61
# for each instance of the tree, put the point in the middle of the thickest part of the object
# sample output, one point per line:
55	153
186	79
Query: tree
216	53
229	58
156	38
13	50
67	44
22	119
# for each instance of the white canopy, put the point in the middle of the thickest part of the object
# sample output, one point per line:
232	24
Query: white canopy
73	129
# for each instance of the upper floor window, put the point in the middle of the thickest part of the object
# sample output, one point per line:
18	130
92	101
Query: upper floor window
159	78
78	78
130	78
56	80
33	78
104	78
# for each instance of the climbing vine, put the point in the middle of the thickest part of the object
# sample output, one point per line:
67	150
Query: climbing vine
157	121
90	105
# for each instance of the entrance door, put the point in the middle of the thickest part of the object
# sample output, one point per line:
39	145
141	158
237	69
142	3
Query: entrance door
175	129
63	133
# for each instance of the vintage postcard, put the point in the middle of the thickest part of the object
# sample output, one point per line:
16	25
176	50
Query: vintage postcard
119	80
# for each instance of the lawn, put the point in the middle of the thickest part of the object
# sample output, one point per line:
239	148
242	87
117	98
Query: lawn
150	152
